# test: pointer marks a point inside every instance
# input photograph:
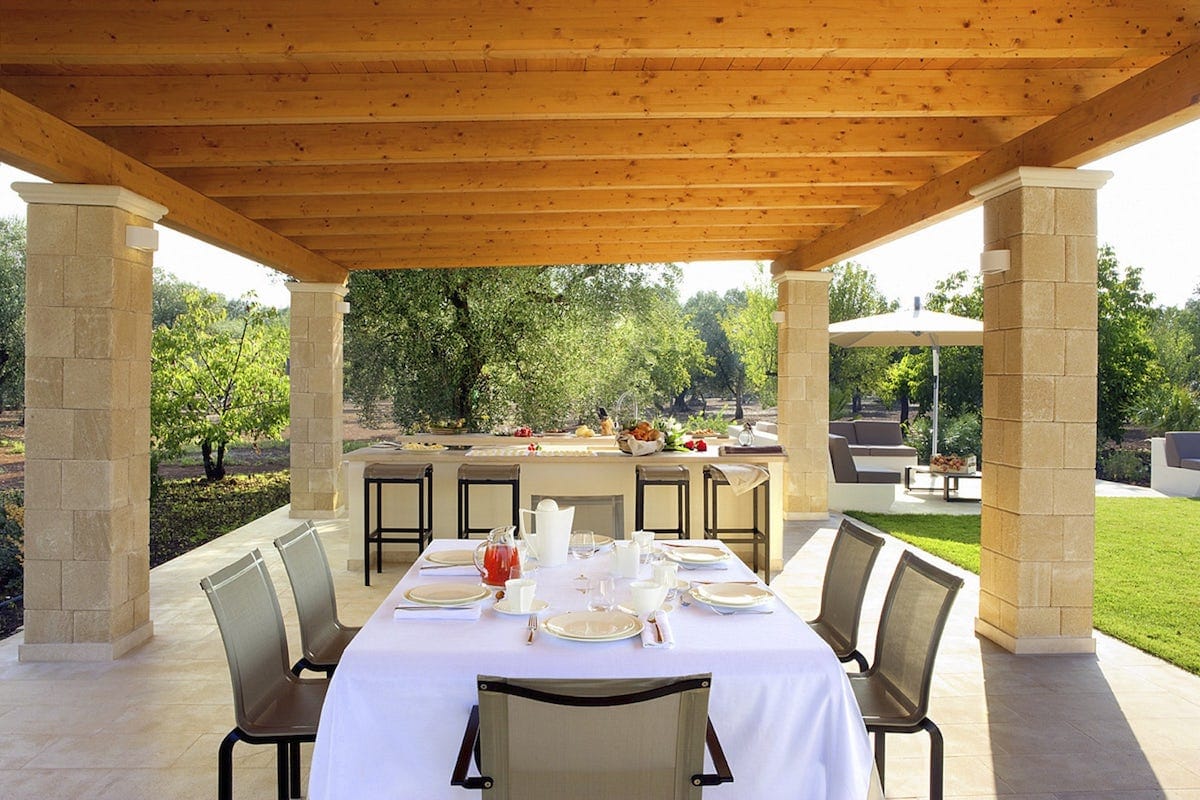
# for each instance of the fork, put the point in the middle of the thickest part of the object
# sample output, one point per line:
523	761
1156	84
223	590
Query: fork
532	625
742	611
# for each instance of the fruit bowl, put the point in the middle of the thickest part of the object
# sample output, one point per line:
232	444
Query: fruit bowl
947	463
638	447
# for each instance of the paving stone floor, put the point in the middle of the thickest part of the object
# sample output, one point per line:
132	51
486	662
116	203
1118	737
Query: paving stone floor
1113	725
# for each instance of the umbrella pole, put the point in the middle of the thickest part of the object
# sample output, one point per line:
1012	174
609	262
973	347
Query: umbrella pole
937	387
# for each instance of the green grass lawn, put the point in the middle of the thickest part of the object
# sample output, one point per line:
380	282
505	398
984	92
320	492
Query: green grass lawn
1147	567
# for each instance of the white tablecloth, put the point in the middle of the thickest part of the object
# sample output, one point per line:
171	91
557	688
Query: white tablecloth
398	703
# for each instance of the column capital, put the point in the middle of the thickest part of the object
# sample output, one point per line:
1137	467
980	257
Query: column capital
802	275
1043	177
339	289
87	194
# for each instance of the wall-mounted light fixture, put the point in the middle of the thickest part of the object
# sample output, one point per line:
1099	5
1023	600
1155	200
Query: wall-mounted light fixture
141	238
778	317
992	261
343	307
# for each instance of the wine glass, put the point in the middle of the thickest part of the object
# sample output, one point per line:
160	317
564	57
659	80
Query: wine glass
583	544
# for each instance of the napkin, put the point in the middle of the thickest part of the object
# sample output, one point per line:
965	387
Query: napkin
649	638
417	611
742	477
448	571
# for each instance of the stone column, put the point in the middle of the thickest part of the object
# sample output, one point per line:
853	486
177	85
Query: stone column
87	421
804	392
316	398
1039	411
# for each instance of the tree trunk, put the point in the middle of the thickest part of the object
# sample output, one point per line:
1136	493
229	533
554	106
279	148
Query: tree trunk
214	470
737	399
904	408
856	403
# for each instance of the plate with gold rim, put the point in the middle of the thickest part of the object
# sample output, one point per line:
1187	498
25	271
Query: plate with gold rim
732	594
452	558
446	594
593	626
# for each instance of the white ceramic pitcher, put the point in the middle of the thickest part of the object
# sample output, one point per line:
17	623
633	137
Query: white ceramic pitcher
553	536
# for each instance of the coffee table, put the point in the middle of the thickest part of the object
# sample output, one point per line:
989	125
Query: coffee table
949	482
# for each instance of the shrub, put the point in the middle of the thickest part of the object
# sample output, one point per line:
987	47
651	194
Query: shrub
1124	465
962	435
917	435
698	422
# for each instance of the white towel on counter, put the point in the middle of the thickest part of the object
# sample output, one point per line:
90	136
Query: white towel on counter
417	611
742	477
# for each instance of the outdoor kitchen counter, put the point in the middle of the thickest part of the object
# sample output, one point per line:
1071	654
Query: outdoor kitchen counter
588	473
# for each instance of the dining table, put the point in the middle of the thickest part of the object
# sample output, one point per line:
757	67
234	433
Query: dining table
399	700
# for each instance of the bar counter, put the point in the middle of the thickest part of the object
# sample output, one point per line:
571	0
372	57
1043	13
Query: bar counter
590	473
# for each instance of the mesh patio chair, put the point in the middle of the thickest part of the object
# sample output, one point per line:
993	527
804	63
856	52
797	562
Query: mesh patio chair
894	693
322	636
591	739
270	704
846	576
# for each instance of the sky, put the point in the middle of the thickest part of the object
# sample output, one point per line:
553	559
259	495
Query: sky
1148	211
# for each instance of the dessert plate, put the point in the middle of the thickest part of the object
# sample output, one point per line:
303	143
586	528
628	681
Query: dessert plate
446	594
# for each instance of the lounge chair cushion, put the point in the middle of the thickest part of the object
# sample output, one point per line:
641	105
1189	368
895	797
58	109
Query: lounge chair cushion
875	475
1181	445
876	431
845	430
843	463
1190	463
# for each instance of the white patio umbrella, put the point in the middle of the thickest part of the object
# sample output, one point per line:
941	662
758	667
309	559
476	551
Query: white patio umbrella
911	328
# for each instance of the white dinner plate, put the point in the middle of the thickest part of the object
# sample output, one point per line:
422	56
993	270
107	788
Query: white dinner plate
593	626
699	598
507	607
695	555
732	594
452	558
665	608
446	594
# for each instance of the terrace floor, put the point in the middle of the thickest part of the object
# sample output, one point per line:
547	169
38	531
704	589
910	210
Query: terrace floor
1113	725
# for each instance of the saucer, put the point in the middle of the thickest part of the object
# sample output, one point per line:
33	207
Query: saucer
506	607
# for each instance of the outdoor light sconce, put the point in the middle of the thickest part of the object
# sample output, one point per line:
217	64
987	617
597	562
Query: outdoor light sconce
778	317
141	238
992	261
343	307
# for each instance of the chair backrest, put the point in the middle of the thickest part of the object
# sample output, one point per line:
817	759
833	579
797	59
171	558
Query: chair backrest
845	429
910	628
847	574
878	431
312	585
1179	445
584	739
247	610
844	470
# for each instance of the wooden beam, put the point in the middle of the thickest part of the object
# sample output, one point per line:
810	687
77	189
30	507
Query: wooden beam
542	176
36	142
347	248
630	201
518	256
301	31
307	230
1160	98
413	142
86	101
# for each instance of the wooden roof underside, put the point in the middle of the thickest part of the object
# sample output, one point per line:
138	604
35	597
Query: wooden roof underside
476	134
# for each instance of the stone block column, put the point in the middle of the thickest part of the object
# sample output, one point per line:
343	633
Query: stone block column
1039	411
804	391
87	415
316	398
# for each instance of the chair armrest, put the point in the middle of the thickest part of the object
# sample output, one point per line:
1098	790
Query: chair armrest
463	763
723	773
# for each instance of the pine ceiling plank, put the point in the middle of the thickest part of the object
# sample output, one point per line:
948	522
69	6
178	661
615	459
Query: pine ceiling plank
636	201
220	182
265	145
117	31
255	99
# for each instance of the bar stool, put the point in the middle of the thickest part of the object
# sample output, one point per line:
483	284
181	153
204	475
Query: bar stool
484	475
377	475
753	535
675	475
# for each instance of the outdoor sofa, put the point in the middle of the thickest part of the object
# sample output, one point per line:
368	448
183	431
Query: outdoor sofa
876	443
1175	464
855	486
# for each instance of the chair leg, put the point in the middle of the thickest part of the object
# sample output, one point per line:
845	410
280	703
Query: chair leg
294	768
936	758
225	766
281	770
880	756
366	533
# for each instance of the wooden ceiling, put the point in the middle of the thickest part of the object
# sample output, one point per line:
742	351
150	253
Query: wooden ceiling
442	134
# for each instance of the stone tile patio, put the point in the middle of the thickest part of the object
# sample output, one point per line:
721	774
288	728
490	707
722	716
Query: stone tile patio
1115	725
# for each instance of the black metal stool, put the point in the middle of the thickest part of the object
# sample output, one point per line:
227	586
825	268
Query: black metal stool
753	535
482	475
675	475
418	475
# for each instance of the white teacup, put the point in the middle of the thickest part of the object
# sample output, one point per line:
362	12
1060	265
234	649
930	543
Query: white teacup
667	574
625	559
647	596
519	593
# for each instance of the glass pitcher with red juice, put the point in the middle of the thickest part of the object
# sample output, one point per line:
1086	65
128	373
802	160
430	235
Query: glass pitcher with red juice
497	559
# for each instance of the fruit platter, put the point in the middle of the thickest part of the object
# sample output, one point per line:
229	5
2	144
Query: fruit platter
947	462
641	440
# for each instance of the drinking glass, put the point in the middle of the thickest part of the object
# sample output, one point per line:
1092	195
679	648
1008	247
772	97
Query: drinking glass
583	544
602	594
645	541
